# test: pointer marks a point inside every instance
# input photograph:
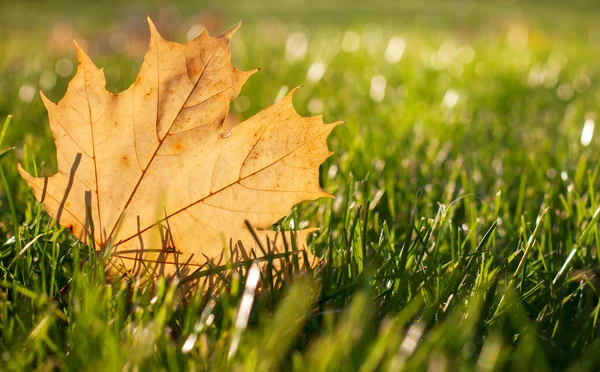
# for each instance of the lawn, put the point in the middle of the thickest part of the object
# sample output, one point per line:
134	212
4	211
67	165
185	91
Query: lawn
463	235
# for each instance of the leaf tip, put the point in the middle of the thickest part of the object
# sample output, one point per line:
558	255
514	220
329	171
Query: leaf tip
229	33
47	103
326	194
79	49
23	172
82	56
290	94
250	72
153	31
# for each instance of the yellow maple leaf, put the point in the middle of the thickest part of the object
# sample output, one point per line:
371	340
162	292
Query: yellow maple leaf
150	173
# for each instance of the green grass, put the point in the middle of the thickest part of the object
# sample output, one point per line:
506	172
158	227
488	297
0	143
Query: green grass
462	236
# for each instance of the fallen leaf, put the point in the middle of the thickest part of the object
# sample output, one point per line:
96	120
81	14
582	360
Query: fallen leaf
149	173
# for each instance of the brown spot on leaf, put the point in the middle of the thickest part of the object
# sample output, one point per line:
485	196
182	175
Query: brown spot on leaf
125	161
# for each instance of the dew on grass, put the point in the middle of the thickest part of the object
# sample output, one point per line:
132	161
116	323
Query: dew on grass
282	92
194	31
337	204
26	93
210	319
565	92
465	54
315	72
315	106
410	342
64	67
587	132
581	83
332	171
378	165
550	78
206	319
243	313
351	41
377	91
395	50
241	103
450	98
376	198
189	343
47	80
296	46
536	76
445	55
